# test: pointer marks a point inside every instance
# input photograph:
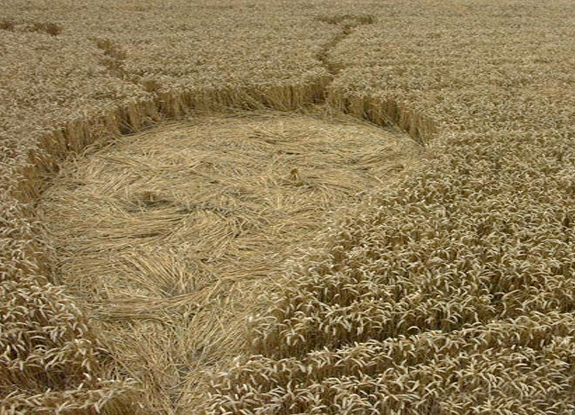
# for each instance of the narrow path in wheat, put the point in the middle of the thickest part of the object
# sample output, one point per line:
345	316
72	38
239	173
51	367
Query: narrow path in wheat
347	25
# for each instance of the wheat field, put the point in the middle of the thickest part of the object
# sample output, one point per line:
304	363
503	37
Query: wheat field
287	207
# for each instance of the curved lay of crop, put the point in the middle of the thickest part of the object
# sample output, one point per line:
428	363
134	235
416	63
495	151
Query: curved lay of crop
450	291
194	221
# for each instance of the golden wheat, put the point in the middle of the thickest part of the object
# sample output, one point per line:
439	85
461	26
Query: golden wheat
450	292
194	221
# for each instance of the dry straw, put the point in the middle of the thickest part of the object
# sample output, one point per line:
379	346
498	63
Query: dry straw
172	235
450	292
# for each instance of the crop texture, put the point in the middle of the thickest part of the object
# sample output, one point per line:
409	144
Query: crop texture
449	290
